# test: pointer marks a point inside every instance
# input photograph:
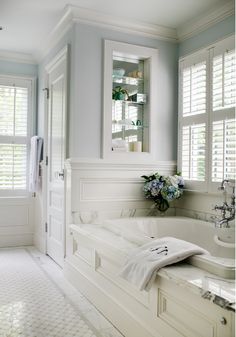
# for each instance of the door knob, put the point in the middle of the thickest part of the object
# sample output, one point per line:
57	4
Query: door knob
61	174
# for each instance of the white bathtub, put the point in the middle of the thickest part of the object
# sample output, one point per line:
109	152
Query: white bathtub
98	252
199	232
219	242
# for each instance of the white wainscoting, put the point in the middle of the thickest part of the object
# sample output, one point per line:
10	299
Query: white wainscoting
99	186
16	221
97	190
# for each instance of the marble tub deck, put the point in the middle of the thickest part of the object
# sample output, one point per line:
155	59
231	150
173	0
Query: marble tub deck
218	290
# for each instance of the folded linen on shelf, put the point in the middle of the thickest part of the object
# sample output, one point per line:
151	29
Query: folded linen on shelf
141	267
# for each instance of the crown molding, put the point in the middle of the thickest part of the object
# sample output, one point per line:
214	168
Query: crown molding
73	14
196	26
61	28
10	56
117	23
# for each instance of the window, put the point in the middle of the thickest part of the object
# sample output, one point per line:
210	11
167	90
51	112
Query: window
15	132
207	148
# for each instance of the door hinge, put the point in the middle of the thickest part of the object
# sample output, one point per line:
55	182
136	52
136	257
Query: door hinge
46	160
47	92
46	227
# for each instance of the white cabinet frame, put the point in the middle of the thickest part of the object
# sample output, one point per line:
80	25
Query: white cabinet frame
150	57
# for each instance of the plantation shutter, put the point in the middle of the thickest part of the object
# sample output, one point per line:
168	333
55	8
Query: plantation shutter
193	152
194	89
207	134
14	136
223	150
223	73
192	119
223	146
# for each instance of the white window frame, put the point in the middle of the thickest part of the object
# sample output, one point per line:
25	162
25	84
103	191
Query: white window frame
209	117
29	83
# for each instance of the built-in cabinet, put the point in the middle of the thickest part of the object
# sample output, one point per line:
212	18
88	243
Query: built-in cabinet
130	107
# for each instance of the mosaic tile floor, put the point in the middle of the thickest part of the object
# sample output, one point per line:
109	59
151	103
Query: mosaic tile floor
35	304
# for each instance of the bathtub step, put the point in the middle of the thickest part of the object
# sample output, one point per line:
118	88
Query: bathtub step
219	266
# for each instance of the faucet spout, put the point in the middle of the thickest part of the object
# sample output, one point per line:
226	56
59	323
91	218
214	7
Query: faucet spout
227	210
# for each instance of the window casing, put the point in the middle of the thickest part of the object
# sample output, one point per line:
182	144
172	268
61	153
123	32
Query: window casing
206	136
16	106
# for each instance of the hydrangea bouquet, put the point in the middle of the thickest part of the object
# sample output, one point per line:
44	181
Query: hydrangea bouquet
163	189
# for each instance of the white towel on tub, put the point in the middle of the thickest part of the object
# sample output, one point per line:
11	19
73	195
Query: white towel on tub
141	267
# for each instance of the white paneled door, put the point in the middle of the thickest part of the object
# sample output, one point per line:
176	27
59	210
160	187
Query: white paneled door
57	106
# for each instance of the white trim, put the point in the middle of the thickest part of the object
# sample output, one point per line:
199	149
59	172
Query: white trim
129	26
63	53
150	58
11	56
87	164
73	14
205	21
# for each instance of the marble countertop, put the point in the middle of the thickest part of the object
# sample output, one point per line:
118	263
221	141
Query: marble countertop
218	290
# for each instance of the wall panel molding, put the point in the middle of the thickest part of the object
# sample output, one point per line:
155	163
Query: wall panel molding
16	221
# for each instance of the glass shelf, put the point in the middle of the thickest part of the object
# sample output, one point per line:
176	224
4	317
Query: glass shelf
127	80
131	126
128	102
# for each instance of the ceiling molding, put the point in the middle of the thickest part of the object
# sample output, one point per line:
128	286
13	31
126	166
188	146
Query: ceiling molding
196	26
10	56
117	23
73	14
61	28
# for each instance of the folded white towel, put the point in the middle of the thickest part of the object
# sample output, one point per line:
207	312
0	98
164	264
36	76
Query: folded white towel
117	143
141	267
36	147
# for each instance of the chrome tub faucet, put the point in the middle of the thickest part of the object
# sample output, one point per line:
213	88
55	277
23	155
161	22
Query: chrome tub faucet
227	210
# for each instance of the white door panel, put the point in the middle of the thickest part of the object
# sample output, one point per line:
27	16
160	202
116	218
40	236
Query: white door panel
57	83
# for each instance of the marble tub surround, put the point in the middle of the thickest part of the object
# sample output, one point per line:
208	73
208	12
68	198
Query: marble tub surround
183	301
217	290
198	281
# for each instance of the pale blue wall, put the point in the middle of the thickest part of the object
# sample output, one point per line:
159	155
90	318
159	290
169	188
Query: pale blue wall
209	36
86	119
86	84
15	68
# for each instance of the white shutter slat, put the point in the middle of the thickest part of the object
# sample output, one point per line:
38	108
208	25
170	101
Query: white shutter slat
13	129
223	78
194	89
193	152
223	150
13	164
13	111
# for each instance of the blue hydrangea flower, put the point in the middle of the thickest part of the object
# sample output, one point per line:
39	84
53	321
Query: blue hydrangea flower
163	189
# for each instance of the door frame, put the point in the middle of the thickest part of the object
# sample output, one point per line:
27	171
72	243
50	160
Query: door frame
63	53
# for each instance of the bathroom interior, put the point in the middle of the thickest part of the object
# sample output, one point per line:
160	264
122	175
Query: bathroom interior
117	168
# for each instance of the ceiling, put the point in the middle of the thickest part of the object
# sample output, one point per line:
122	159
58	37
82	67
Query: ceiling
27	23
